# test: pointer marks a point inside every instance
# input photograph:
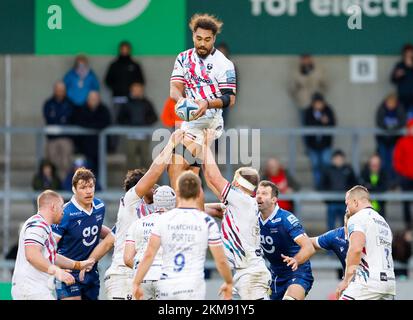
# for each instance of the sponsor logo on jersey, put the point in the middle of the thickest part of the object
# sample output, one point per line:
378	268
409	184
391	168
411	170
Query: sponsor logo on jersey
276	220
292	219
380	222
99	217
79	222
384	232
383	242
100	205
230	75
199	79
273	230
74	214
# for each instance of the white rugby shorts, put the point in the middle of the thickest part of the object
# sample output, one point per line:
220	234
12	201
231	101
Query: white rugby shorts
357	291
182	289
252	284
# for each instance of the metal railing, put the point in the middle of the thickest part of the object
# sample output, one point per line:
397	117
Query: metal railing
292	134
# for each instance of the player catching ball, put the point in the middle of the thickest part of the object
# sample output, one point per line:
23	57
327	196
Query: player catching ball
205	75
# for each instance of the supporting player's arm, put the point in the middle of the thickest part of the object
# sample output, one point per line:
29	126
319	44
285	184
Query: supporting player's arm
306	251
35	257
129	254
159	164
104	232
214	209
224	270
145	264
213	177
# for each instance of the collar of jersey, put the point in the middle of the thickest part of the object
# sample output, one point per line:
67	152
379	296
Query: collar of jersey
272	215
211	54
79	207
39	214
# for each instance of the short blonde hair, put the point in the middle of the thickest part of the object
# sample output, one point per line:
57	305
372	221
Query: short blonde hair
207	22
46	197
189	185
359	192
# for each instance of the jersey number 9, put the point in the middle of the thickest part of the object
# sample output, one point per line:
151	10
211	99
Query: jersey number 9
179	262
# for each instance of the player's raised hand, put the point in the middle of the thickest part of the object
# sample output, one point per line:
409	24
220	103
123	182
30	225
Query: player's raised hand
137	292
226	291
209	136
177	136
291	262
203	106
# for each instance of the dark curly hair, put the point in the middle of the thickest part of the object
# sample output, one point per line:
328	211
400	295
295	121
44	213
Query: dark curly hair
132	178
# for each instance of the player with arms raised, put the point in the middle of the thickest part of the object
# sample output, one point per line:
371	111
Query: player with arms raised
205	75
240	231
184	233
135	204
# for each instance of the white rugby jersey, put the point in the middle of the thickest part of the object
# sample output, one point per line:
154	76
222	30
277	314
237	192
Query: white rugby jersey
185	235
35	232
131	208
376	267
204	78
138	234
240	229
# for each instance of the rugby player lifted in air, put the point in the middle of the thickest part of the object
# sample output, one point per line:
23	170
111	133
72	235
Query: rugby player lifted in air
205	75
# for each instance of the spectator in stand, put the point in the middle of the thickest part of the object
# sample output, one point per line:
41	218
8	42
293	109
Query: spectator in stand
138	112
80	81
285	183
46	177
375	179
94	115
121	74
402	162
319	114
402	77
58	110
391	117
339	177
168	117
307	79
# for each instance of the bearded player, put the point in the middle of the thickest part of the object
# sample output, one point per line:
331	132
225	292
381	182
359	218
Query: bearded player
205	75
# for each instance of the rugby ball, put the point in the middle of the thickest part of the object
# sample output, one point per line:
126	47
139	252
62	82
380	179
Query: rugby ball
186	109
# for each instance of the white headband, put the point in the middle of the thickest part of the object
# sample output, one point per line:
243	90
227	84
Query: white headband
244	183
